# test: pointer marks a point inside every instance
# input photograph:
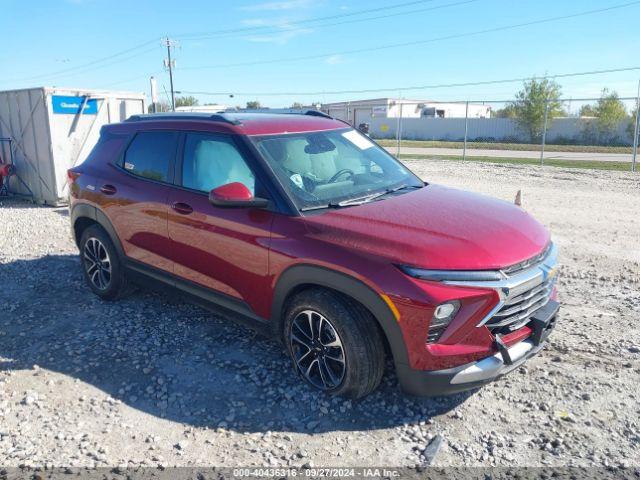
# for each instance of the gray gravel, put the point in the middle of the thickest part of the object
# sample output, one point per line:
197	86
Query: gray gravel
151	381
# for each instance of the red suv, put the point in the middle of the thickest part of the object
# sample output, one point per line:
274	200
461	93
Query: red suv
304	227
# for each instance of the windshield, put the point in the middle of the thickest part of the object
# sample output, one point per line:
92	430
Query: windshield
333	168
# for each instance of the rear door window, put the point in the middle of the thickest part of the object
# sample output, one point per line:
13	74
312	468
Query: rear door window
150	155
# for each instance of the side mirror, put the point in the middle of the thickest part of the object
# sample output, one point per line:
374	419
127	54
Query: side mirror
236	195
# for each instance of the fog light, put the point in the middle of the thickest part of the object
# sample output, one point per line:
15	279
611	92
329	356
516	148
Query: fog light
445	310
442	316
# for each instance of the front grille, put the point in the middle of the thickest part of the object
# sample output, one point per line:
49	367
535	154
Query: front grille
436	332
522	289
517	310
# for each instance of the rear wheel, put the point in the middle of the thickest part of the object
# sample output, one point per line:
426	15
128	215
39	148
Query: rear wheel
101	265
335	344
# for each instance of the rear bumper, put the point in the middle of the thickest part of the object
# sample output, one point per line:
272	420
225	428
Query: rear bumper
479	373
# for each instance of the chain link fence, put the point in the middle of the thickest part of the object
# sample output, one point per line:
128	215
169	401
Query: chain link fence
572	132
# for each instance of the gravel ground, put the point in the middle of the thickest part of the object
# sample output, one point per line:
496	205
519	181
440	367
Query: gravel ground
152	381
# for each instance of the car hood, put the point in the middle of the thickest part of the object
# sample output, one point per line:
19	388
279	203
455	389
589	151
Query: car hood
435	227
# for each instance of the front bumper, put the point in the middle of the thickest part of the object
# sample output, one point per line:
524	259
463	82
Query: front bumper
479	373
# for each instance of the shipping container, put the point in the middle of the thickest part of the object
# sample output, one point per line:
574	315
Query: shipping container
54	129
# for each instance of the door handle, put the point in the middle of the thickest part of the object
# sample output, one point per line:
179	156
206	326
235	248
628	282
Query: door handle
108	189
182	208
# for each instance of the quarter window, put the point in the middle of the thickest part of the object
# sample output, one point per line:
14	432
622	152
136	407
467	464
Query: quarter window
150	155
211	161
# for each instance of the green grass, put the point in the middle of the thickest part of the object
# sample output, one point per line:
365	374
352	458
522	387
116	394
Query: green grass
588	164
505	146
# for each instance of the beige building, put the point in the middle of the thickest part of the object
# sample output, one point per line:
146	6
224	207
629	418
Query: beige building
362	111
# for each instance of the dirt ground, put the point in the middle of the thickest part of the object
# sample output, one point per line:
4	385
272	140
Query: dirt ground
151	381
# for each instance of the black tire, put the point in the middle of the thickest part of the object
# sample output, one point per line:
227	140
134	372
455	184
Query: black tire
357	333
109	285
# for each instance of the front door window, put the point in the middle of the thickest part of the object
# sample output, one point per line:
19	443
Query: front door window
211	161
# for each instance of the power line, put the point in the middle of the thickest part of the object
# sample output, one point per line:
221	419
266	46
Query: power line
90	66
360	20
414	43
421	87
287	27
114	62
137	77
83	67
200	35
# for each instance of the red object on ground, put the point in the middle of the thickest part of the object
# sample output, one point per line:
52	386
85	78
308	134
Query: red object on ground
6	169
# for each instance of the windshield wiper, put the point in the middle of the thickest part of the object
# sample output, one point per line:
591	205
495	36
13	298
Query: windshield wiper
358	201
396	189
344	203
372	197
320	207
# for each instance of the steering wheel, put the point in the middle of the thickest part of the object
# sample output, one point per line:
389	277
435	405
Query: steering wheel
339	173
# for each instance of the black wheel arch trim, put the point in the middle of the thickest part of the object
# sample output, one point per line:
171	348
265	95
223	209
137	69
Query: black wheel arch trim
298	275
85	210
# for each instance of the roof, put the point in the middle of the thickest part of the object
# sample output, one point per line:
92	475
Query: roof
244	123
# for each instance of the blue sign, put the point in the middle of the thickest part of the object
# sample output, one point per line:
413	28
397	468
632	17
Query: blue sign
72	105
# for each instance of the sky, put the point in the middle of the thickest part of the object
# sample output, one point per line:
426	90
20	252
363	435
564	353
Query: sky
249	48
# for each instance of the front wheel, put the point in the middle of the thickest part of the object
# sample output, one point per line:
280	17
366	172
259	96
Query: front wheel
335	344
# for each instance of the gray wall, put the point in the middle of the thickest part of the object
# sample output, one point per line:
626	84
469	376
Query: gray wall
484	128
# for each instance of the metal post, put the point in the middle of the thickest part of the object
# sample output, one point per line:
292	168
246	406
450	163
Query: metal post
544	131
154	94
173	94
399	131
466	131
636	131
395	104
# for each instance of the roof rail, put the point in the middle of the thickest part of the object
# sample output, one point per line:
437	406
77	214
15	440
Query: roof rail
317	113
216	117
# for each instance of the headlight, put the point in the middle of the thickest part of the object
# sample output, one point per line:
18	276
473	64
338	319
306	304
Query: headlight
453	275
442	317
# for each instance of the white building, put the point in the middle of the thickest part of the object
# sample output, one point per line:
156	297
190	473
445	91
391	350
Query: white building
214	108
362	111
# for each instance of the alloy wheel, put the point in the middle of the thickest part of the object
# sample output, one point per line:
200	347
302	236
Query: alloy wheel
97	263
317	350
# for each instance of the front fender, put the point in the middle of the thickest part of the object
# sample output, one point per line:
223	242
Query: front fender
299	275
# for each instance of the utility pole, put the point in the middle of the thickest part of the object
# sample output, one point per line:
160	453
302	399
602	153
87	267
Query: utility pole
466	130
170	64
544	131
636	132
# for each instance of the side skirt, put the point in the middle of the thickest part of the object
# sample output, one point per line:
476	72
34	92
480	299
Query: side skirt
215	302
